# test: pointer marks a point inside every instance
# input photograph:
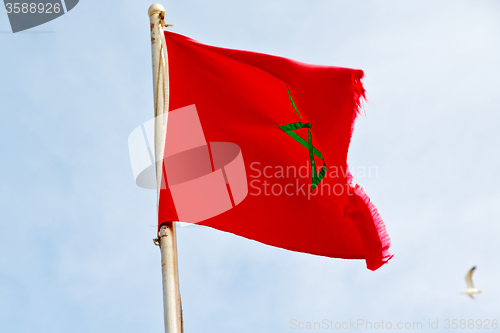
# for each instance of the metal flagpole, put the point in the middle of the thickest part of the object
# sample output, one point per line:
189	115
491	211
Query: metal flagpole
166	235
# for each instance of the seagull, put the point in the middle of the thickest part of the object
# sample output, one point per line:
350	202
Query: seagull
470	290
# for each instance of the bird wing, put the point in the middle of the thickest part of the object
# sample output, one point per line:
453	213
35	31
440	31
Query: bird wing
468	278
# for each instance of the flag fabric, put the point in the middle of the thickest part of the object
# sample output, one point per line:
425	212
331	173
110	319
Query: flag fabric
257	145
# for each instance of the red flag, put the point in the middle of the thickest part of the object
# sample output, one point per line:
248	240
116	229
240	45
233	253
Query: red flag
257	146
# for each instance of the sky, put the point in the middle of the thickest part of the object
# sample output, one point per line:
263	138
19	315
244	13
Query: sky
76	250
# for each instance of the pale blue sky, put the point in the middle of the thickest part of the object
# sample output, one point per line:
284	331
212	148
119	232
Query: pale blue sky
75	243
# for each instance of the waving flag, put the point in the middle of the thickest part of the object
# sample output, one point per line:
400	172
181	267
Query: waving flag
256	145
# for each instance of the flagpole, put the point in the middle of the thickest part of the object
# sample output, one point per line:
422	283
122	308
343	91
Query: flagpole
166	235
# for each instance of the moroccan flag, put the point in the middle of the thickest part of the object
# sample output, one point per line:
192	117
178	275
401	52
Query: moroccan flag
256	145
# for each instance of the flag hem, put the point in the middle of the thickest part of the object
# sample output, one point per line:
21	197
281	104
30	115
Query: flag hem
359	95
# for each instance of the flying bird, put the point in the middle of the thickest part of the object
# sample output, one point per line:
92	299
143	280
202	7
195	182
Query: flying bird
470	290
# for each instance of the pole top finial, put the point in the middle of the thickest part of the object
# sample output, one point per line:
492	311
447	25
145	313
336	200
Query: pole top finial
156	8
